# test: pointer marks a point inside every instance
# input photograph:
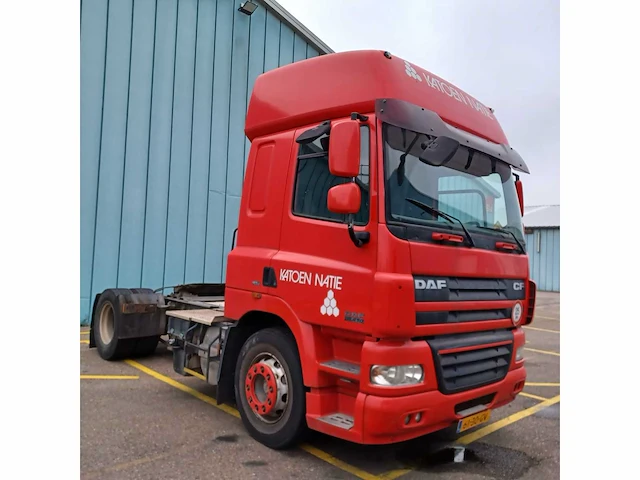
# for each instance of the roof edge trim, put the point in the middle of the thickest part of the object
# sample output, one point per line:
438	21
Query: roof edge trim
284	16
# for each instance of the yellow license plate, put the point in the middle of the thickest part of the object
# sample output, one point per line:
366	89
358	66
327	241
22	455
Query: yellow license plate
473	420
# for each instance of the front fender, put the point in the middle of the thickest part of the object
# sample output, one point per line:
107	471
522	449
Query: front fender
240	302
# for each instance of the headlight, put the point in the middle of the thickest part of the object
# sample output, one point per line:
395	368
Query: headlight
396	375
519	354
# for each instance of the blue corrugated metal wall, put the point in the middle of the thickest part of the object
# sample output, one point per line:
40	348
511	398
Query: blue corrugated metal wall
467	207
543	248
164	92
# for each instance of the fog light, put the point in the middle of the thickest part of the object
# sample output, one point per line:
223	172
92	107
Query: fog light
407	419
396	375
519	354
418	417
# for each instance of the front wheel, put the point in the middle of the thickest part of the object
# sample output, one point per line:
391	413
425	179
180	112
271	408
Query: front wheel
269	388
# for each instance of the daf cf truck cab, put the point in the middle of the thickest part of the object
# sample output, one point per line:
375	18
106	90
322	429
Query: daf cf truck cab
379	280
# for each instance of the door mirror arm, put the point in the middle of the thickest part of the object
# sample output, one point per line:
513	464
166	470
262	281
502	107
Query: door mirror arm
359	239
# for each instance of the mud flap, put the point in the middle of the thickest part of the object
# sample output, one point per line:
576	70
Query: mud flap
92	338
231	346
139	311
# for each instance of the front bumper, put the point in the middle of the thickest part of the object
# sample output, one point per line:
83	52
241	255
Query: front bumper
384	417
378	413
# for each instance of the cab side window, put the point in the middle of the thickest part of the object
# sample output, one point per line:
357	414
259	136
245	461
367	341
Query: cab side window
313	181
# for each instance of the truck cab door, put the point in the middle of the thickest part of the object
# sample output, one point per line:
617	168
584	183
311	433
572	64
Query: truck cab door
323	276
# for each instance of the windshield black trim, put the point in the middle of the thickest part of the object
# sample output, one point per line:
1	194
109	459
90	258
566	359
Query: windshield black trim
423	233
412	117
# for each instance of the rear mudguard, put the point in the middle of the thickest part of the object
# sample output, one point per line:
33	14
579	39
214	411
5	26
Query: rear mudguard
139	311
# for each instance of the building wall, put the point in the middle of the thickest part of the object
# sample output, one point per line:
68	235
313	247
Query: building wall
543	247
467	207
164	90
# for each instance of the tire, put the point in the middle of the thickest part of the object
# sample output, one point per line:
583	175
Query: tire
105	328
107	323
285	425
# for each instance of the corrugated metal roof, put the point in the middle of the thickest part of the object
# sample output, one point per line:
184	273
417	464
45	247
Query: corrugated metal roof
283	15
541	216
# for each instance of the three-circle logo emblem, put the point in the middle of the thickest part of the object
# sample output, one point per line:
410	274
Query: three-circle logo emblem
409	70
330	305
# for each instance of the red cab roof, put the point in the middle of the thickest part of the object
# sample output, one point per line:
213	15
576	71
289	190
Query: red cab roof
334	85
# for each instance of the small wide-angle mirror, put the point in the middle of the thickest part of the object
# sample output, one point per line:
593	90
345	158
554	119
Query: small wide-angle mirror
344	198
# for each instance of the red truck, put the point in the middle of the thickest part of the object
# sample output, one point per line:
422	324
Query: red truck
378	282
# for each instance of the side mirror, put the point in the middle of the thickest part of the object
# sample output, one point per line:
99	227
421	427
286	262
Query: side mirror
344	198
520	195
344	149
439	151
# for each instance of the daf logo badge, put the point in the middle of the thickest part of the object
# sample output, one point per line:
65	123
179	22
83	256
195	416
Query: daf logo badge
430	284
516	313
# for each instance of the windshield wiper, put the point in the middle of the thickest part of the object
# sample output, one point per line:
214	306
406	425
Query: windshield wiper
493	229
446	216
403	157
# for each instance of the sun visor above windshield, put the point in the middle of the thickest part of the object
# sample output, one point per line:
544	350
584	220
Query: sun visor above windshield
412	117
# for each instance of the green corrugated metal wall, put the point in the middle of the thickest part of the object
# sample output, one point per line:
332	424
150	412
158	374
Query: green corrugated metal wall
164	92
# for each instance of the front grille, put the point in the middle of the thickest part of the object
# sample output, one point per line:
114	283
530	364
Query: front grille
474	402
459	316
457	289
460	371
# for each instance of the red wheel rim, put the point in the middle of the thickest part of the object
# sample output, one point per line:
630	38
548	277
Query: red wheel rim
261	388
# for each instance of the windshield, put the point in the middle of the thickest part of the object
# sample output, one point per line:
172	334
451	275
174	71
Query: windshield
473	187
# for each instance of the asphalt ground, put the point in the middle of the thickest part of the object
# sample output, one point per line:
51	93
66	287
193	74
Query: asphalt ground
141	420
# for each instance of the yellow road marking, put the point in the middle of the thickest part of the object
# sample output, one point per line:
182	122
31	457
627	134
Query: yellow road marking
393	474
195	374
546	352
535	384
109	377
322	455
478	434
542	329
184	388
483	432
84	342
85	333
531	395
